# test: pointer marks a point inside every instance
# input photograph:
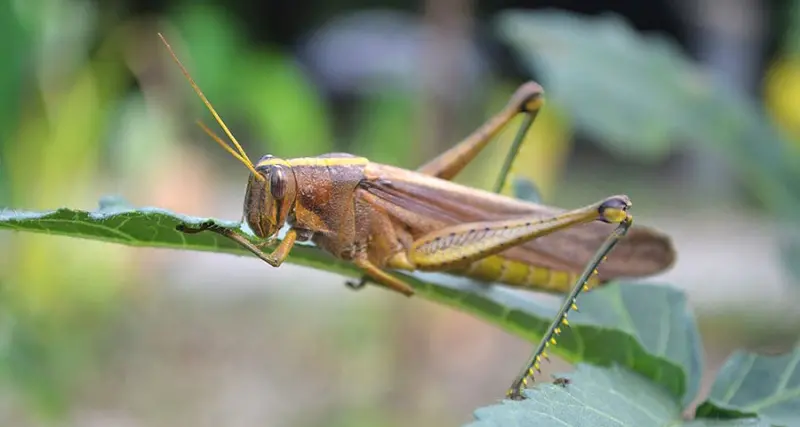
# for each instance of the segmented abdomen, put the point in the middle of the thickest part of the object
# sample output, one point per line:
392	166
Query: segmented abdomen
496	269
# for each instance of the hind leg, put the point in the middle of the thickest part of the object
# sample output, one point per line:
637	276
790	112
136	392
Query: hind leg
528	99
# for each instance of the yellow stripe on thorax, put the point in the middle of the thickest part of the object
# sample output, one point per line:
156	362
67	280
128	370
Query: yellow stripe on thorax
519	274
315	161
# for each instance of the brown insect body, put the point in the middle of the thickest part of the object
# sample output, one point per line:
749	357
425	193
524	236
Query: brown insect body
356	209
379	216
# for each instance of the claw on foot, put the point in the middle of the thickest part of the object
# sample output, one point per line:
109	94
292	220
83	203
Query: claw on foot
356	286
208	225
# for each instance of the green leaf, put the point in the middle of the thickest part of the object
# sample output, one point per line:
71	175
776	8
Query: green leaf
752	383
658	317
596	397
606	332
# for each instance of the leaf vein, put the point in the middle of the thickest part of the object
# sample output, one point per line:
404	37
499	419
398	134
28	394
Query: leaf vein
634	404
787	374
118	233
596	410
778	397
738	383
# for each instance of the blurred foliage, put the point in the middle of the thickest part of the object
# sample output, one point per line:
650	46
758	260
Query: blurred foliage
782	95
88	107
52	304
385	137
15	54
265	86
642	94
782	80
758	384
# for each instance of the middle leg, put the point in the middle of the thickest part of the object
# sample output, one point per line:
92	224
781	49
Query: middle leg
387	248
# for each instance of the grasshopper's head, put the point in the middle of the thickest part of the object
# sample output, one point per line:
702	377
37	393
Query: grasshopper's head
271	188
270	197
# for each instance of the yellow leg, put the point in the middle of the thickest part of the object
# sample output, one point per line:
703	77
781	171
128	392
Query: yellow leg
383	277
463	244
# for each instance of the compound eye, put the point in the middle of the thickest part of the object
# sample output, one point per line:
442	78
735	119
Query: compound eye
277	182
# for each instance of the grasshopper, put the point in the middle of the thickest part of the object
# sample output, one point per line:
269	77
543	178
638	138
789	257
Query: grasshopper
381	217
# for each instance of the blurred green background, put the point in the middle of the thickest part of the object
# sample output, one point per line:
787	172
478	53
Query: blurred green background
701	128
